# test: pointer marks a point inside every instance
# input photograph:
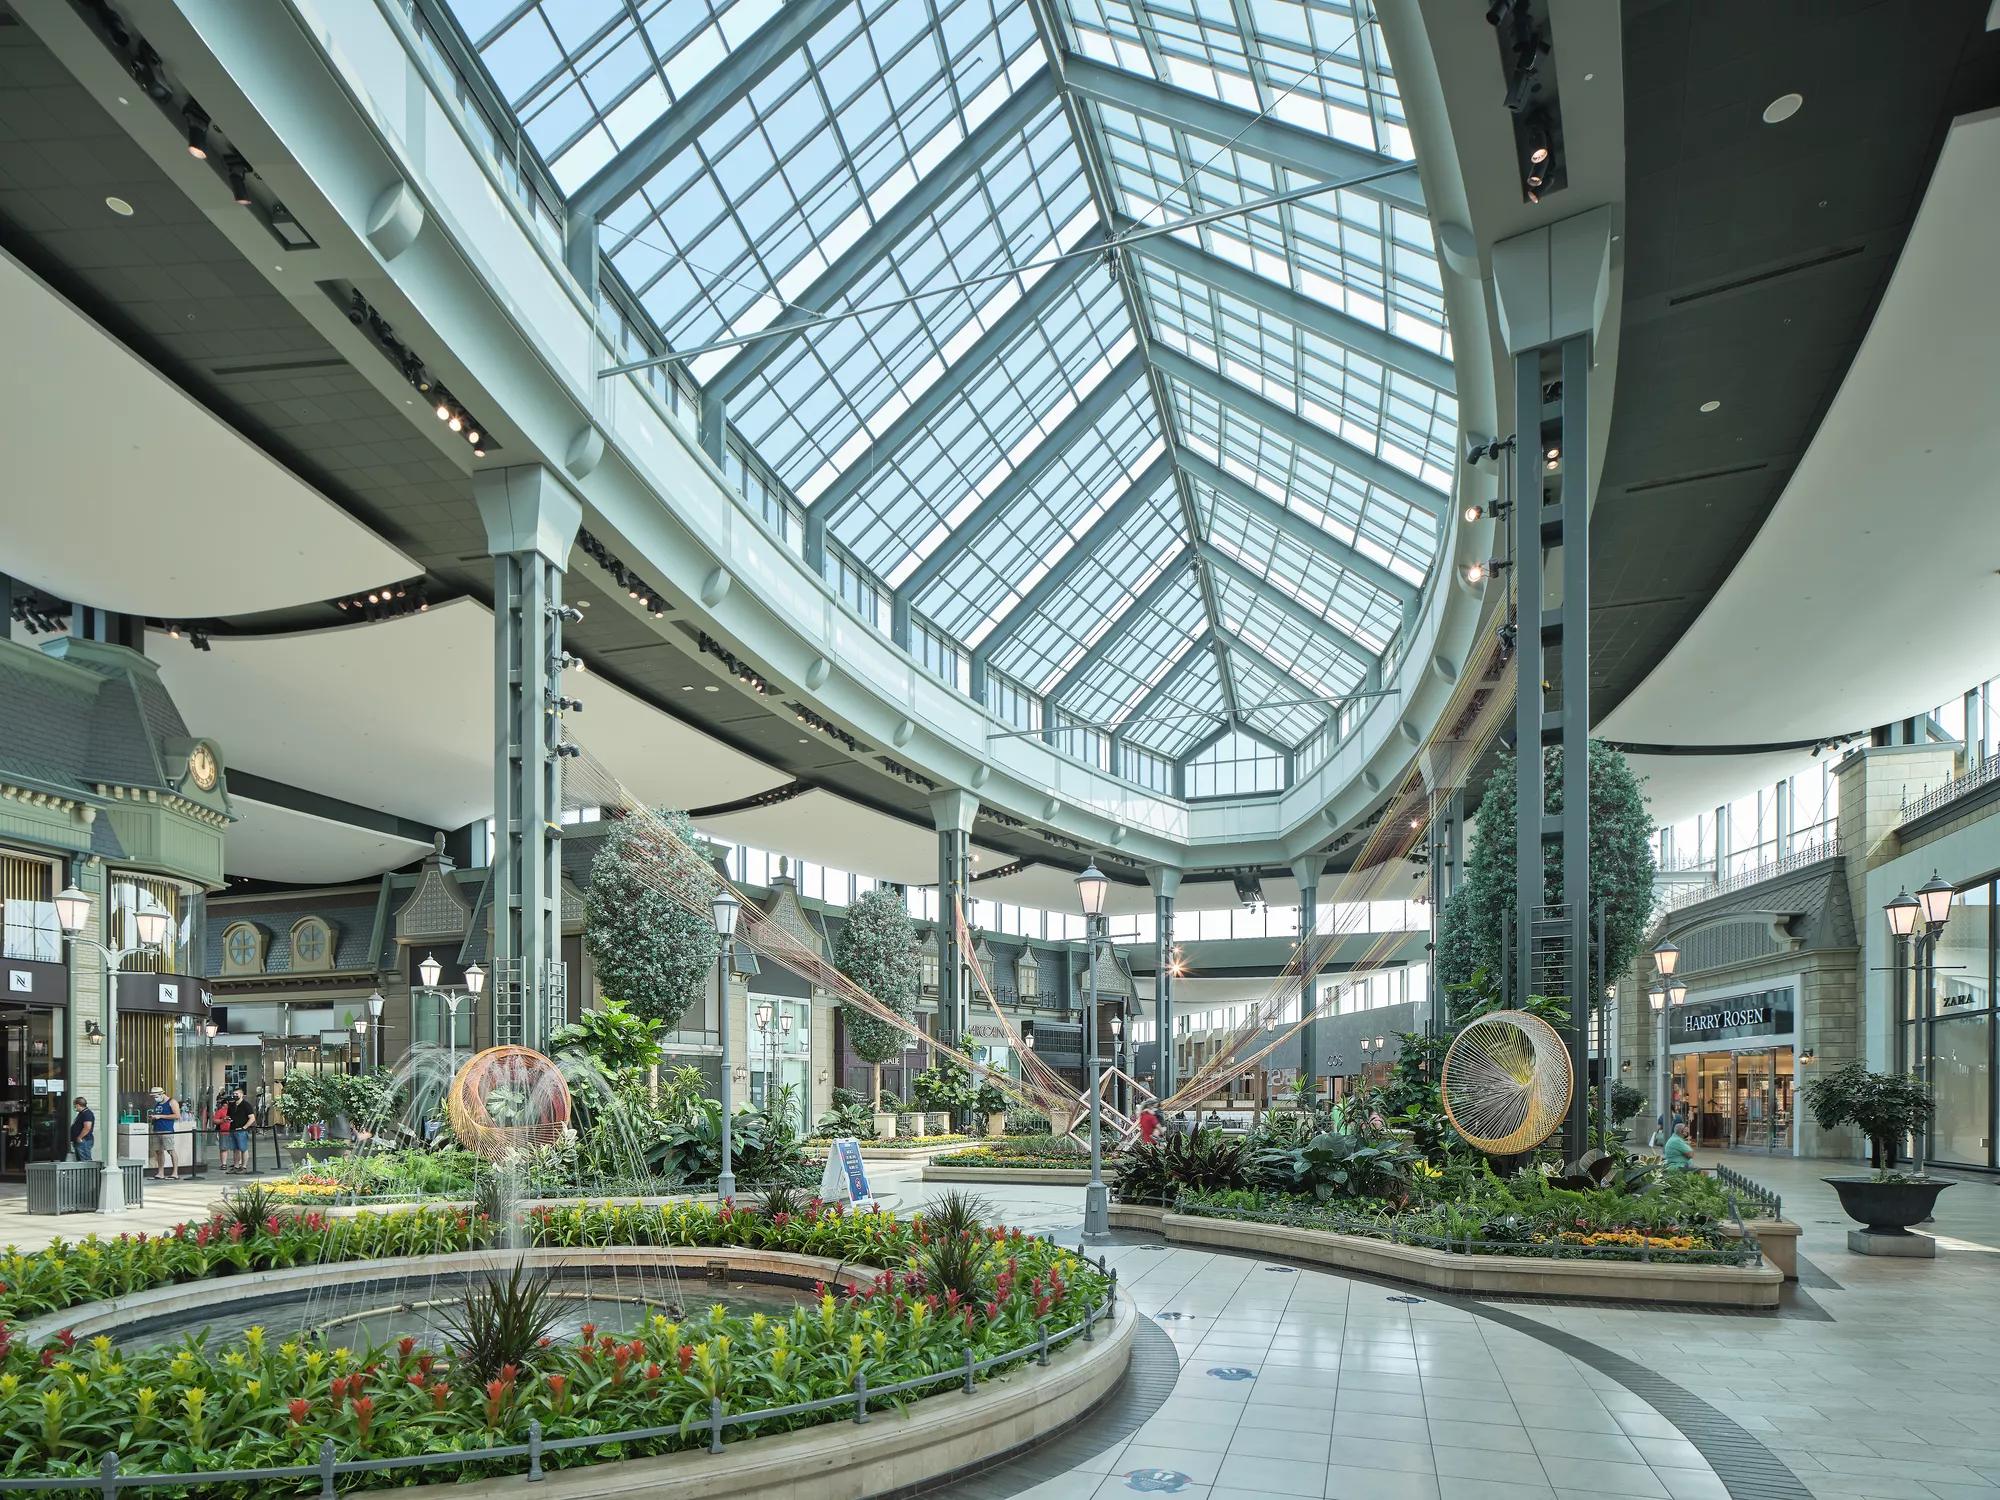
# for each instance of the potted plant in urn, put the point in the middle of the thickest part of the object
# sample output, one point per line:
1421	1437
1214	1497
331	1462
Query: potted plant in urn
1886	1108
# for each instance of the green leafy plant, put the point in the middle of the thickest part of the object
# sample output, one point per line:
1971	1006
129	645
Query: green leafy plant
945	1085
500	1323
1885	1107
650	952
1203	1161
1337	1165
876	947
617	1039
1472	925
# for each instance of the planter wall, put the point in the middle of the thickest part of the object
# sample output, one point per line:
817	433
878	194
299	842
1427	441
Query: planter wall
1476	1275
1074	1177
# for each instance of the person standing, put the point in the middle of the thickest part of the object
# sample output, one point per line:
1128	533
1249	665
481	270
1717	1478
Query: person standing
165	1115
1149	1125
83	1130
242	1119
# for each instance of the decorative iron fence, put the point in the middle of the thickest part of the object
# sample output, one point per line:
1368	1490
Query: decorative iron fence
109	1481
1675	897
1764	1203
1988	770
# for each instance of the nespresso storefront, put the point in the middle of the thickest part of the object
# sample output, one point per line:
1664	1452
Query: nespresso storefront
1735	1067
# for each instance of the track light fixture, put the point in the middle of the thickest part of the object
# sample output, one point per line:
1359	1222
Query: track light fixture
238	172
1480	449
568	613
197	130
145	68
1479	572
566	751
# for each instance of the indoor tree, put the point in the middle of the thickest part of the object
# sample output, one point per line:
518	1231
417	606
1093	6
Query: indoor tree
1472	928
1887	1108
877	949
650	952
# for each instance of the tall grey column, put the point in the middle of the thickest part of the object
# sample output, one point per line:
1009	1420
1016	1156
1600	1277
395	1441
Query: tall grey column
952	812
1166	884
1306	870
1551	287
531	523
1446	845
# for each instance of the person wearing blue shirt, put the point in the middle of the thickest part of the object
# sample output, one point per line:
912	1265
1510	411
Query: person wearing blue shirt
164	1114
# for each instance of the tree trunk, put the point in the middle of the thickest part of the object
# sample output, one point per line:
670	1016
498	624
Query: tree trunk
875	1088
653	1084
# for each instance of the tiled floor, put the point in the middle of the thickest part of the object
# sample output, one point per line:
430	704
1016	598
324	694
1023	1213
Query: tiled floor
1302	1383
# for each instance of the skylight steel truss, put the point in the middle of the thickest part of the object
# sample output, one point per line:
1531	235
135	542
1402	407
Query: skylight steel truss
1307	588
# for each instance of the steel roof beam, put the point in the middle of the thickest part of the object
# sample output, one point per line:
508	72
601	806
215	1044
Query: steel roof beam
1364	339
1173	574
1190	659
1214	557
693	113
1297	430
923	199
1017	320
1240	129
1290	523
1283	673
1116	383
1137	495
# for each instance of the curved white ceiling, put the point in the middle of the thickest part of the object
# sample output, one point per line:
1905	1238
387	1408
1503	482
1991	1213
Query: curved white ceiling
126	493
1873	590
268	842
1679	786
398	716
830	830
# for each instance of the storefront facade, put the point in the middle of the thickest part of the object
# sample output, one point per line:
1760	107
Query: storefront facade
1735	1066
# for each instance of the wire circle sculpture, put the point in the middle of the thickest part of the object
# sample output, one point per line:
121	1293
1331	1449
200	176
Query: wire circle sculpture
522	1086
1507	1082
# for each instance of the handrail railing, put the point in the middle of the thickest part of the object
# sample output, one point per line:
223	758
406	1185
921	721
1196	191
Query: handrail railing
109	1481
1755	1191
1675	897
1970	780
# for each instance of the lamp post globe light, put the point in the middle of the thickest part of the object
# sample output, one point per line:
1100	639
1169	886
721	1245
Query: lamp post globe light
725	908
150	927
1917	923
375	1004
1091	889
430	971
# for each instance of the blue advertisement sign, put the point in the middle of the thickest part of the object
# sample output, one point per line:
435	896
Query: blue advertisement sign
845	1178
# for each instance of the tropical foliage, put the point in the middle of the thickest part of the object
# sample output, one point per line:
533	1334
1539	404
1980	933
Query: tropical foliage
1204	1160
944	1288
650	952
618	1039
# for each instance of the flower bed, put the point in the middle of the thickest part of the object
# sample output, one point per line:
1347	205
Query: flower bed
1033	1152
1680	1221
900	1143
255	1404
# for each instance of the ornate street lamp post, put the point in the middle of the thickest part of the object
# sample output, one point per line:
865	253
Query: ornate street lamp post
724	908
150	927
1091	889
430	971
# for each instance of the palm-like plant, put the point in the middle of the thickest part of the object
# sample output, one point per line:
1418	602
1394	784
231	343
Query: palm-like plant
499	1323
1206	1161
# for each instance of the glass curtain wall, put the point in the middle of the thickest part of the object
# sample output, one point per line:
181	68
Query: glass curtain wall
1957	1037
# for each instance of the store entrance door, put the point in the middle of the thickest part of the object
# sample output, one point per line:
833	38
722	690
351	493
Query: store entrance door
31	1123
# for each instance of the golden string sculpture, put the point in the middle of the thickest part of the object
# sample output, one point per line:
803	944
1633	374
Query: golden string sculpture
1507	1082
670	866
518	1070
1054	1097
1478	706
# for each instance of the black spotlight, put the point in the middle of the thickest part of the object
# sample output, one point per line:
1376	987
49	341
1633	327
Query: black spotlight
197	131
146	73
357	309
238	171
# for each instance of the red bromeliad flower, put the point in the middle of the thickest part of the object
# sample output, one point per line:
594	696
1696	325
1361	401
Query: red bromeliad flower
685	1354
299	1407
992	1312
440	1393
48	1358
496	1396
66	1338
559	1391
589	1332
364	1413
405	1345
652	1372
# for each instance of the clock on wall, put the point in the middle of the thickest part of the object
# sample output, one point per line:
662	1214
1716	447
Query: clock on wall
201	766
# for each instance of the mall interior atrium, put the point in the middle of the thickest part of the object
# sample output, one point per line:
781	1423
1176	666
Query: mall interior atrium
803	727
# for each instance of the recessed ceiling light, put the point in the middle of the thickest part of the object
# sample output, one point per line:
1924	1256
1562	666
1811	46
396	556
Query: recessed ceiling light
709	687
1711	406
123	100
119	206
1783	108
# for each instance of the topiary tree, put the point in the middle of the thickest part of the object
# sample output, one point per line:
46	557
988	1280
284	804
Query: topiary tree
877	949
1472	928
649	951
1885	1107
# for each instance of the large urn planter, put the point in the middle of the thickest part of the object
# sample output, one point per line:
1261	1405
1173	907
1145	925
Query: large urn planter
1886	1210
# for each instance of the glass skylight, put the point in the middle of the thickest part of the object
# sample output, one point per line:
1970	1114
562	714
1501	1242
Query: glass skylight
887	216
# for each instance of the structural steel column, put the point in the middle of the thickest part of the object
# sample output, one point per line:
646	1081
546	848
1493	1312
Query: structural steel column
1530	673
1306	870
531	523
952	813
1583	992
1166	884
1446	840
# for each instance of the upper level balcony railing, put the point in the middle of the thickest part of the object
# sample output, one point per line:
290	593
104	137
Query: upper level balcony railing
1675	897
1970	780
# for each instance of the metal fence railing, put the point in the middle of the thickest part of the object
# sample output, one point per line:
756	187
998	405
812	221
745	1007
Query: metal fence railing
1672	898
1970	780
1765	1203
109	1481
